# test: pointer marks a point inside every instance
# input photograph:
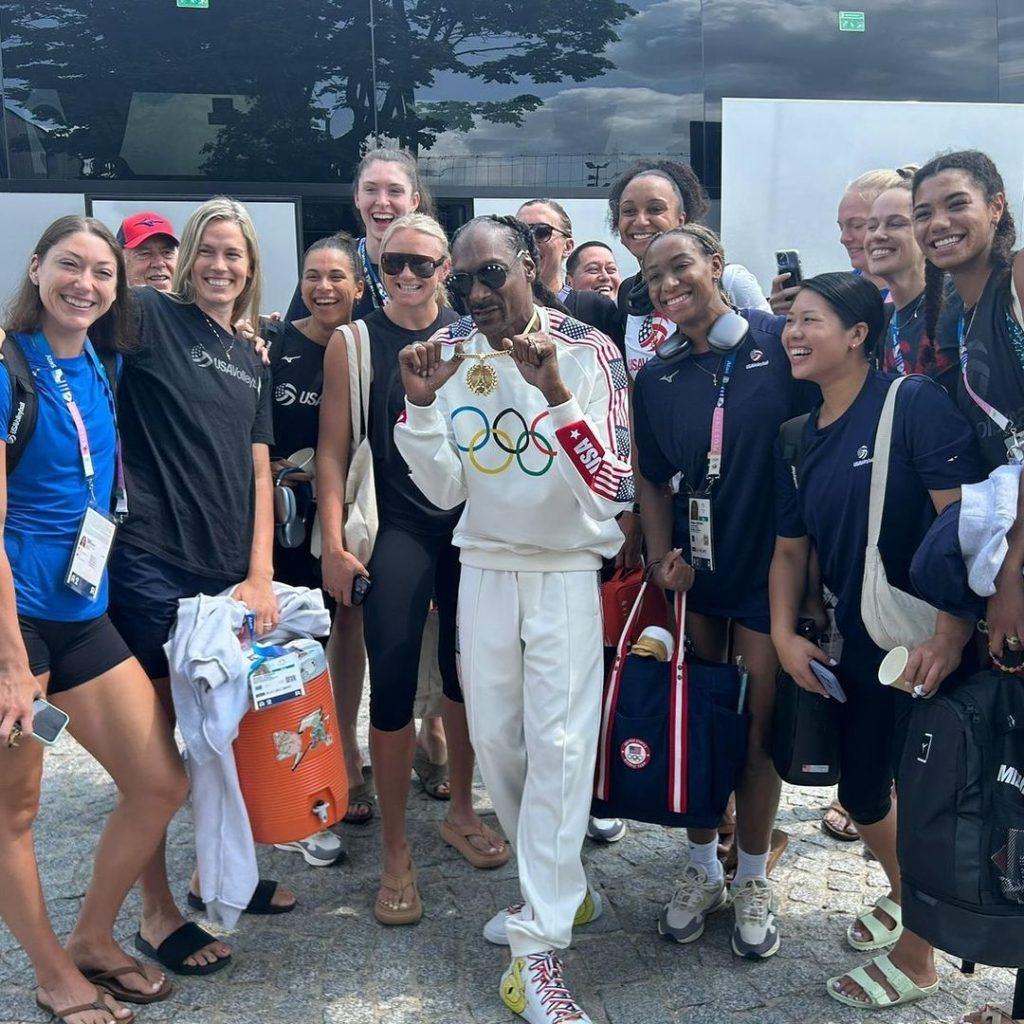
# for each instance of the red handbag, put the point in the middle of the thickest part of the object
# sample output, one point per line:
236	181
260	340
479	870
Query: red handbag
617	597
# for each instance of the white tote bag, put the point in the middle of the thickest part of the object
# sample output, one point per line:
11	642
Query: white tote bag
892	617
361	521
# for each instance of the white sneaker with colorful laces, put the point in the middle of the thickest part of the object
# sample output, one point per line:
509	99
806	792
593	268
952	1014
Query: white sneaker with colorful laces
532	986
589	910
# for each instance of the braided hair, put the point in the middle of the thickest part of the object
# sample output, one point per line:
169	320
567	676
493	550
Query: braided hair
684	181
519	237
983	172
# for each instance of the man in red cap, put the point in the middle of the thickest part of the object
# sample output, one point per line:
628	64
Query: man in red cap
150	250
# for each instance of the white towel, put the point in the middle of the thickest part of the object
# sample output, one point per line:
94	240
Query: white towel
987	511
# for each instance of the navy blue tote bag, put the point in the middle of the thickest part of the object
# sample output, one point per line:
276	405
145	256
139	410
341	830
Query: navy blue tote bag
673	735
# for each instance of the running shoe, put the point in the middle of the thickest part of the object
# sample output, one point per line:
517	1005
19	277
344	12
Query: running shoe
532	986
695	898
755	935
321	850
606	830
589	910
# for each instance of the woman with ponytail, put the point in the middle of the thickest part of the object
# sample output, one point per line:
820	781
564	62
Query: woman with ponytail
964	226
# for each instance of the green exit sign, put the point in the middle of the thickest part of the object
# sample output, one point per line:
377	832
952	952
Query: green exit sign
193	3
849	21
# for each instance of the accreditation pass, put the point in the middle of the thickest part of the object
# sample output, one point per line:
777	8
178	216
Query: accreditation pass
701	545
92	549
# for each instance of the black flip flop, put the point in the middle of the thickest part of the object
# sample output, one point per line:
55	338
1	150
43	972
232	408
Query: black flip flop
260	904
179	946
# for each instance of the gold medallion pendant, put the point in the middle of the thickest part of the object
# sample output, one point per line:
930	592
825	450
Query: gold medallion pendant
482	379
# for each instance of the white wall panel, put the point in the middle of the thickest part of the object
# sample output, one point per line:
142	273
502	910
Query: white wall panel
786	164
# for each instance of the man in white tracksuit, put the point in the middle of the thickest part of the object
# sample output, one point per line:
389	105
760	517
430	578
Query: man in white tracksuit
521	412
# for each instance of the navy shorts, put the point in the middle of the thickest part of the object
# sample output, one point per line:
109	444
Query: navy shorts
72	652
144	594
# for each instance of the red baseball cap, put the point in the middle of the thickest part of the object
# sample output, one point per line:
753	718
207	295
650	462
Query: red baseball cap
134	230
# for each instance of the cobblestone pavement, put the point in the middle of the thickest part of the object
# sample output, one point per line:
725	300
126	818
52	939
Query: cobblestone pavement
329	962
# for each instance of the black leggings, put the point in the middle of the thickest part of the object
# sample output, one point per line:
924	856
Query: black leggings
407	569
874	723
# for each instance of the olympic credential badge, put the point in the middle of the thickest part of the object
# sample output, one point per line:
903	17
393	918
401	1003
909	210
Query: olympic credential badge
635	754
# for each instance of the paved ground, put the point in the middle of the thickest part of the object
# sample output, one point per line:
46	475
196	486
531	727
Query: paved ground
330	963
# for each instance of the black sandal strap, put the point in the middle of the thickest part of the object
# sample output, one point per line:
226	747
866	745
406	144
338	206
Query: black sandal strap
262	897
183	943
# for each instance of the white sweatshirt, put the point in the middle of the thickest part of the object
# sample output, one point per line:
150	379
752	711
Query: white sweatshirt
542	484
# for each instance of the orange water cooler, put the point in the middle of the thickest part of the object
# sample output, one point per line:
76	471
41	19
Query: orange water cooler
289	758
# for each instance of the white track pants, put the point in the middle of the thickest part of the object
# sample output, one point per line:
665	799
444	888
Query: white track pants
531	666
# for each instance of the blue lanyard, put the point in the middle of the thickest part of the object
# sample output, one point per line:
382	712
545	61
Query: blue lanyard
41	345
378	292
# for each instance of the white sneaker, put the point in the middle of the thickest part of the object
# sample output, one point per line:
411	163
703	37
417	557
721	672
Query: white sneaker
606	830
532	986
756	935
589	910
694	899
321	850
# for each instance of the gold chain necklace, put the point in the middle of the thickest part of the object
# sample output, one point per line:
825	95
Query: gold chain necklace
482	379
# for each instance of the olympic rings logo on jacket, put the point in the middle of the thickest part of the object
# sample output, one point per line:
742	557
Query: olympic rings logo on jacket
513	451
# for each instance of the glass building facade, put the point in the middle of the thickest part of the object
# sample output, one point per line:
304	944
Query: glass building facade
531	97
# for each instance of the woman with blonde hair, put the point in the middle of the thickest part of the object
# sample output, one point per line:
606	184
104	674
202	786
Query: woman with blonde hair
413	560
195	420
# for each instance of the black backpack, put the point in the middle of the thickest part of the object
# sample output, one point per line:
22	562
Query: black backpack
961	820
25	401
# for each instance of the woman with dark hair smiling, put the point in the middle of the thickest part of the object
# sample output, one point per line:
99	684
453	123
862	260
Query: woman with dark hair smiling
709	416
70	322
963	225
650	197
831	332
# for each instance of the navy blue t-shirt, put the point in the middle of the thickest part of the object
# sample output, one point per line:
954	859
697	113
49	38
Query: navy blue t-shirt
47	494
932	448
672	409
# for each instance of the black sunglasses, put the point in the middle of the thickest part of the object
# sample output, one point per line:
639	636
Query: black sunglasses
393	263
490	275
542	232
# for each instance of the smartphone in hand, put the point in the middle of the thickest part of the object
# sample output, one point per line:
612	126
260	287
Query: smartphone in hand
828	681
48	722
788	262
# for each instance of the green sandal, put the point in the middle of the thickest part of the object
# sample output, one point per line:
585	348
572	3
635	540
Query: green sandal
878	997
880	935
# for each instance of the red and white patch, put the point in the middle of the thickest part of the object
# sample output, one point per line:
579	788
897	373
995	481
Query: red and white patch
582	446
635	754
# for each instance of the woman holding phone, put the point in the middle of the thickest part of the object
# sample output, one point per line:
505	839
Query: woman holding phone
68	318
831	332
413	560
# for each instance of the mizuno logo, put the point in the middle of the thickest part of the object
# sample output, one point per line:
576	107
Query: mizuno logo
289	359
1011	776
669	377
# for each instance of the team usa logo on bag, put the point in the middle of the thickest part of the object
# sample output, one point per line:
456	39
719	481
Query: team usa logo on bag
635	754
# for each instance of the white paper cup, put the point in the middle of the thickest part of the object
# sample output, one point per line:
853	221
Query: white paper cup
894	664
304	459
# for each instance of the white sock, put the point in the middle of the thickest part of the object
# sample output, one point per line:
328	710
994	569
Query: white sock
705	855
750	865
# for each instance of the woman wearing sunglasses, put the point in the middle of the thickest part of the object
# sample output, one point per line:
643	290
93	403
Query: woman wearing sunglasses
413	560
520	412
552	231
